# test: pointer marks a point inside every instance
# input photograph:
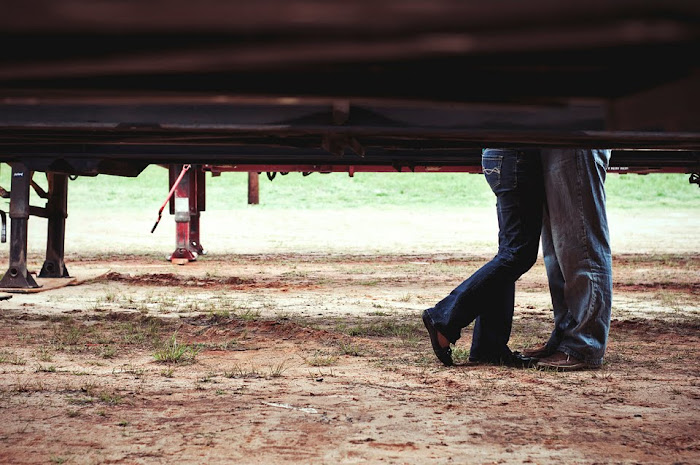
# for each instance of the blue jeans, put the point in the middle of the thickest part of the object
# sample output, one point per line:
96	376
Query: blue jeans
488	295
576	249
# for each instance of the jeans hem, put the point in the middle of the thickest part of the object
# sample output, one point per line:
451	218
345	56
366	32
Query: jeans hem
440	330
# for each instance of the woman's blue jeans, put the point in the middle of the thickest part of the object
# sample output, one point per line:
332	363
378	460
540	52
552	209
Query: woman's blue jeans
515	176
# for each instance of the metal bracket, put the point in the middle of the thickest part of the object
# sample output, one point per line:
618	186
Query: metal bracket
694	179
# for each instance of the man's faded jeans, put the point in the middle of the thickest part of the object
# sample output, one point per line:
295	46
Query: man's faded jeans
515	178
576	249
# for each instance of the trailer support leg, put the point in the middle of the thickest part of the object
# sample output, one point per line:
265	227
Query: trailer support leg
17	275
181	208
197	205
57	212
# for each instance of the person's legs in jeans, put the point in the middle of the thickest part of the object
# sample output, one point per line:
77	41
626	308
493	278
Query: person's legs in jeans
516	180
492	329
576	249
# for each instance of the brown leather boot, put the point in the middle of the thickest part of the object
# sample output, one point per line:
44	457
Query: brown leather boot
560	361
540	351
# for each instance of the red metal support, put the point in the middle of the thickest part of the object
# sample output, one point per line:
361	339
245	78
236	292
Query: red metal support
181	208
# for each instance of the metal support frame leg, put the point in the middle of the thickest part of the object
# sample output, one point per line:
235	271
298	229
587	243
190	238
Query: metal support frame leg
197	205
17	275
181	208
57	212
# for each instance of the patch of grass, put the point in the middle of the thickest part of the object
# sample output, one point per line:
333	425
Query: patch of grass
68	335
460	354
130	369
407	332
11	358
171	351
248	314
220	314
320	359
225	345
108	351
45	369
348	348
146	330
240	372
111	398
277	370
44	354
110	296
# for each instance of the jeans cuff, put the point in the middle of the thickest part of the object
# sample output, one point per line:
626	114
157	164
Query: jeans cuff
448	335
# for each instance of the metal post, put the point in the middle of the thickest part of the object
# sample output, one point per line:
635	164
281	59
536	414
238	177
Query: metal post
181	204
17	275
253	188
57	212
197	205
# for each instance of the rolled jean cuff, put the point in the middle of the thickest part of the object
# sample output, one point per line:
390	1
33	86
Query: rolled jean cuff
445	332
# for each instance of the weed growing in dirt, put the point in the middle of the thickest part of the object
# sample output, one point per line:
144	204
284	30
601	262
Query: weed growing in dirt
110	296
319	359
240	372
45	369
68	335
408	333
348	348
248	314
319	374
168	372
13	359
219	314
22	385
460	354
44	354
130	369
225	345
110	398
277	370
171	351
108	351
146	330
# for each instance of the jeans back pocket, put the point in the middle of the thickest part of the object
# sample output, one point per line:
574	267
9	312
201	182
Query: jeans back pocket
492	165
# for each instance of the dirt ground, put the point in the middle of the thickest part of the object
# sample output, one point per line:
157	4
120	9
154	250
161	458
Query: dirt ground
321	358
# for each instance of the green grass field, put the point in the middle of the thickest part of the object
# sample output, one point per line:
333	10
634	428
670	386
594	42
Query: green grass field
338	191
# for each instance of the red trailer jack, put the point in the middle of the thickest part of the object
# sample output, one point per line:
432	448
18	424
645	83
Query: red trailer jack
186	199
